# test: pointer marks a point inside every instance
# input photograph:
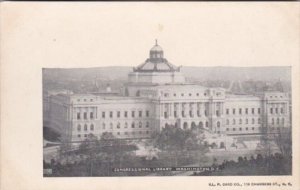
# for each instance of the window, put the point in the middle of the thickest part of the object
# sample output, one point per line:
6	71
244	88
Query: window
126	133
246	128
233	129
85	127
253	121
246	110
197	94
118	125
252	110
258	110
125	114
118	114
252	128
118	133
182	94
227	111
132	125
174	94
218	124
92	115
233	111
247	121
133	132
84	100
110	114
175	114
92	127
103	114
84	115
147	124
233	121
147	113
240	128
79	128
91	100
78	100
191	114
205	94
85	135
281	110
111	126
182	113
273	121
278	121
227	122
140	113
271	110
132	113
126	125
147	132
165	114
218	113
240	121
282	121
79	135
190	94
205	112
240	111
206	124
103	126
140	124
78	115
276	110
140	132
227	129
258	121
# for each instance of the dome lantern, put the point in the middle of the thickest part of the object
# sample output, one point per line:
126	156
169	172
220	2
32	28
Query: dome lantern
156	52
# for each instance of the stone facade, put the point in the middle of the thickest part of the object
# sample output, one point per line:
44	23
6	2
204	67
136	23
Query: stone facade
157	96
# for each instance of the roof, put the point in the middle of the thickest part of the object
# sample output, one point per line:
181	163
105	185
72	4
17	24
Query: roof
162	66
156	48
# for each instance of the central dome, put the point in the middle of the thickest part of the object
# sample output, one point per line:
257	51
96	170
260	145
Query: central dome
156	62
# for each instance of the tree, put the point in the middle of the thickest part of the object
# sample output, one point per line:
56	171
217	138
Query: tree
283	140
176	141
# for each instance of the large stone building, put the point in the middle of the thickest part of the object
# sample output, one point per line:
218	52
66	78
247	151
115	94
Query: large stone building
156	96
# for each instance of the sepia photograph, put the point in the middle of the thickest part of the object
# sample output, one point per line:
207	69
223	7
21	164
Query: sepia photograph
160	119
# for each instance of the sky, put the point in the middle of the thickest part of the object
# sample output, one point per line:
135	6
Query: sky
98	34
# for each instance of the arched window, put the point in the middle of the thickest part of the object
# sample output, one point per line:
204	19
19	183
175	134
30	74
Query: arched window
185	125
79	127
218	124
227	122
240	121
200	124
85	127
206	124
253	121
140	124
92	127
233	121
